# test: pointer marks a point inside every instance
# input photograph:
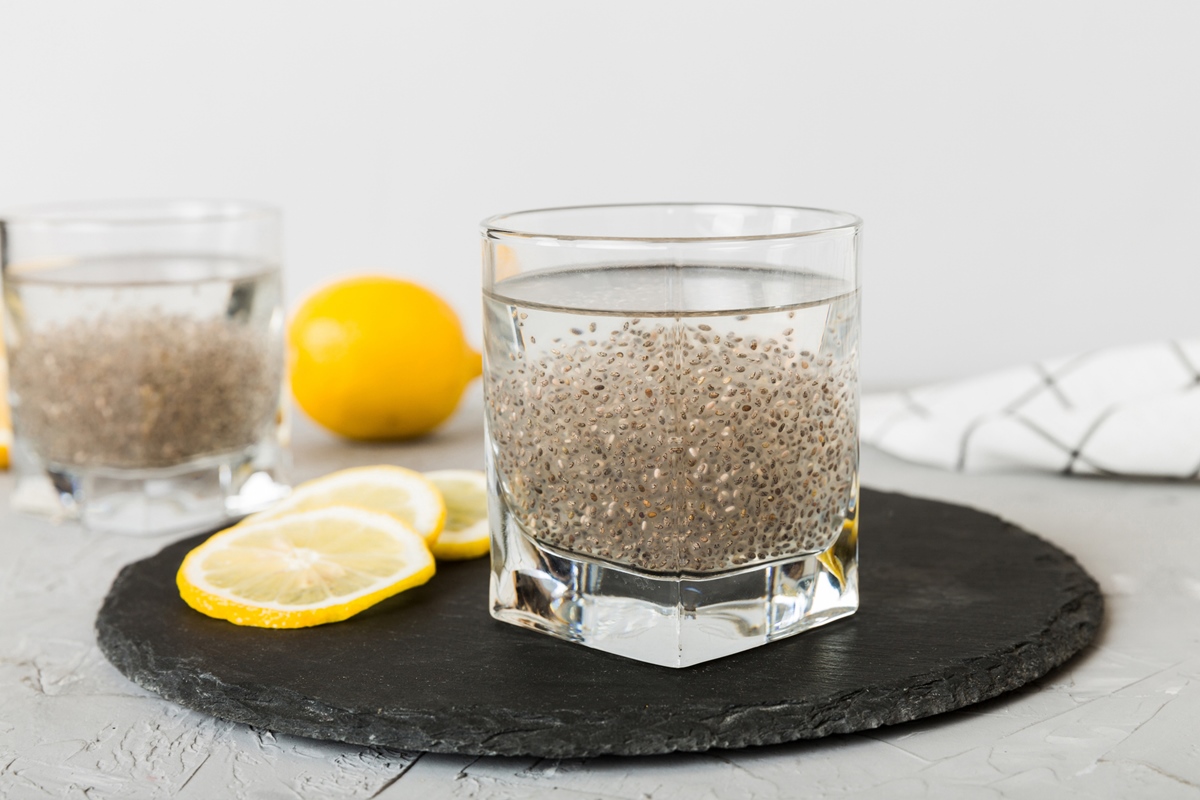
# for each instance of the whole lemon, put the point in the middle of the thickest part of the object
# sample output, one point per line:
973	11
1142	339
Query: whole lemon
375	357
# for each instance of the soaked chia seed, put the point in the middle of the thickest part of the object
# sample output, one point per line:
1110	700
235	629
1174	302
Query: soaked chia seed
144	391
677	444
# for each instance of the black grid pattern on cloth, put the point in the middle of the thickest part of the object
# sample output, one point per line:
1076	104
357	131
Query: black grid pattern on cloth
1074	454
1049	384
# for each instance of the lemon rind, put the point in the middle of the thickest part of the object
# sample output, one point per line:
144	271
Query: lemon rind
471	542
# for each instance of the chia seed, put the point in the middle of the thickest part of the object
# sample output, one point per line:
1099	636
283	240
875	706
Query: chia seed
146	391
670	449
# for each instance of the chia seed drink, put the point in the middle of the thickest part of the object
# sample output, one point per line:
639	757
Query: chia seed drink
145	351
137	375
665	436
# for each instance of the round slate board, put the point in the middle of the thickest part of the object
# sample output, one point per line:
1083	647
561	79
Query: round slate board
957	606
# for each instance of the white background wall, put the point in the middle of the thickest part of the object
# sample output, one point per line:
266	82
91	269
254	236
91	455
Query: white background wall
1029	171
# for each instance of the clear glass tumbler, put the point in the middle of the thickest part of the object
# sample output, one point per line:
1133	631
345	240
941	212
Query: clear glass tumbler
145	349
672	417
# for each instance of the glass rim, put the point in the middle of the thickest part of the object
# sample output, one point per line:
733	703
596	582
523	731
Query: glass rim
116	213
492	228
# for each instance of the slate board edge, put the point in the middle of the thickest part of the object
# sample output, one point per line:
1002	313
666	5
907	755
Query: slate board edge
981	678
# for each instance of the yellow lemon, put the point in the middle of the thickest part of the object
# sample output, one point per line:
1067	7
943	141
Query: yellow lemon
378	358
303	569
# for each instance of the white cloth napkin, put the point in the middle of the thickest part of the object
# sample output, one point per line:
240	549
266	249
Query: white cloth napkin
1131	411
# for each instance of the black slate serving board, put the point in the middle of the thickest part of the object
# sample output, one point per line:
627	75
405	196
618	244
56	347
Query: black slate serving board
957	606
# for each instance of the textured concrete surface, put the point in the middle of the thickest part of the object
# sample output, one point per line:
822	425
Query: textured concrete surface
1118	721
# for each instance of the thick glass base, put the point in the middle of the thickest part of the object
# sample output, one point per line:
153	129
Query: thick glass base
188	497
672	621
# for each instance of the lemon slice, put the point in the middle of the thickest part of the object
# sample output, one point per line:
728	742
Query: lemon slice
466	533
403	493
5	419
304	569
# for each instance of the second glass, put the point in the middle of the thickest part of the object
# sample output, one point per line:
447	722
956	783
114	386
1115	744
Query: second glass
672	412
145	348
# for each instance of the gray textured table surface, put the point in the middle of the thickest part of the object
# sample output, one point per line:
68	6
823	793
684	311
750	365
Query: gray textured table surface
1119	721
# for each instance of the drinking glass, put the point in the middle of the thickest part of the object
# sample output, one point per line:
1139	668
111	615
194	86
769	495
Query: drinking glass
145	349
672	424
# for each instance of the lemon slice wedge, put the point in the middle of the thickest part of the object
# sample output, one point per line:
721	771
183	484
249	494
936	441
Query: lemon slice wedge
403	493
5	418
305	569
466	533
